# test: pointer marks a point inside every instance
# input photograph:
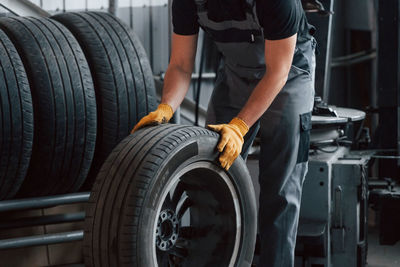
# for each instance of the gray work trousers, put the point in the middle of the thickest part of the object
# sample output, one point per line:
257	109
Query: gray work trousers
284	131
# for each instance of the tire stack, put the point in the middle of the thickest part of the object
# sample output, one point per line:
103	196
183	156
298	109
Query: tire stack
71	88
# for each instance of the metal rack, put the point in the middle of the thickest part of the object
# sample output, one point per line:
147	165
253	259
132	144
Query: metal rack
39	203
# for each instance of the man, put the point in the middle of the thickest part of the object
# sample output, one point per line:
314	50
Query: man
265	83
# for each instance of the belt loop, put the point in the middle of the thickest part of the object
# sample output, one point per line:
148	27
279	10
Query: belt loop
252	38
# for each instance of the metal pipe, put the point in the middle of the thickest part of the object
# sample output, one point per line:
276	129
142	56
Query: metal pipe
385	157
113	7
354	55
38	240
23	8
43	202
355	60
327	78
151	37
131	14
42	220
208	75
170	27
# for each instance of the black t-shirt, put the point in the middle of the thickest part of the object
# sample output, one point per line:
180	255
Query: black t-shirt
278	18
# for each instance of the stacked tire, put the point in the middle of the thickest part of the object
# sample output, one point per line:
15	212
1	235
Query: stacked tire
16	119
72	87
122	76
64	105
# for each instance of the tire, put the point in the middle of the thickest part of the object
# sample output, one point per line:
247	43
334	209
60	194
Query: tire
123	79
151	181
16	120
64	105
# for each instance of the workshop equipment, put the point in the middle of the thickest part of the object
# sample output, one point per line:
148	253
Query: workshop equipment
333	217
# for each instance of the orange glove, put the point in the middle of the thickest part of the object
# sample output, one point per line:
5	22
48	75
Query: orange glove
162	114
231	140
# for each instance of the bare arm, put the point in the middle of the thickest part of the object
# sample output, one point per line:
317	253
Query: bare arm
179	71
278	60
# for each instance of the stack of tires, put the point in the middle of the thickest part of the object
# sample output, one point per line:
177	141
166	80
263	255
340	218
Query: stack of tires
71	88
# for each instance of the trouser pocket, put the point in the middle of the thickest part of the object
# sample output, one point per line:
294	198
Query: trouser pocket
304	144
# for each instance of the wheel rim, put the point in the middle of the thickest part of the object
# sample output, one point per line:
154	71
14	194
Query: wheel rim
198	220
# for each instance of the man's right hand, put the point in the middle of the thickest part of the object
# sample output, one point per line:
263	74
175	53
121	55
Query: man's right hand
162	114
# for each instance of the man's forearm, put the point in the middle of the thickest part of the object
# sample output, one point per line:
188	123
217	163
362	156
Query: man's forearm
262	96
176	85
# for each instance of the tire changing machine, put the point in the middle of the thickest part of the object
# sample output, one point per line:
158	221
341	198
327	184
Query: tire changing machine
333	217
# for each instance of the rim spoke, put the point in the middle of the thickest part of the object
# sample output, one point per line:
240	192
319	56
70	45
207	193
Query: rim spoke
190	232
171	261
182	242
162	258
186	204
168	203
178	192
178	252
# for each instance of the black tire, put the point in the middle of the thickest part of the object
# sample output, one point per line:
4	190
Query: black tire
130	197
16	119
64	105
123	79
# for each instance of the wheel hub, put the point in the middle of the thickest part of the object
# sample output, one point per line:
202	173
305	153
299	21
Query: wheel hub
167	230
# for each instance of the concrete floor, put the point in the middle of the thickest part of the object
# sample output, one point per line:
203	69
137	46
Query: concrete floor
381	256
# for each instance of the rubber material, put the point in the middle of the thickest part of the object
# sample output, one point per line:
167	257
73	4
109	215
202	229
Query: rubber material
64	105
123	79
121	211
16	119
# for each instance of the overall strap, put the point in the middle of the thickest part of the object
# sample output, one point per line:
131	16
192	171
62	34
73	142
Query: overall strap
250	5
201	5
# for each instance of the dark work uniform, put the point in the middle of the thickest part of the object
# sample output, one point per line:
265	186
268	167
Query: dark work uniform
239	28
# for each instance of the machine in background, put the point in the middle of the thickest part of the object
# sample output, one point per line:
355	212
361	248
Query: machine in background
333	217
338	190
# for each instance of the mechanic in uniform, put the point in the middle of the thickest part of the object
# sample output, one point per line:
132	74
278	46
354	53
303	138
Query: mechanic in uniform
265	83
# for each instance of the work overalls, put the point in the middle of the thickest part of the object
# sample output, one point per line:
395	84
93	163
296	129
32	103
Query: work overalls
284	127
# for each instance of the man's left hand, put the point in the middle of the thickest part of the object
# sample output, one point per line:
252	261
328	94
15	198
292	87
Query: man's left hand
231	141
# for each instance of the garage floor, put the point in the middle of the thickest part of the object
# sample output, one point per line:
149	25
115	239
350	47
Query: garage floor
378	256
381	256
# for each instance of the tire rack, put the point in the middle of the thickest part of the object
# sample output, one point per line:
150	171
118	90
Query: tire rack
25	8
38	203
